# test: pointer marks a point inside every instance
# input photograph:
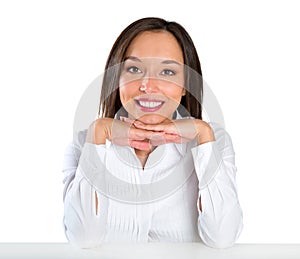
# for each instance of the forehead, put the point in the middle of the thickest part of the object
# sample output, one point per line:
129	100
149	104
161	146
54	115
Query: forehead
155	44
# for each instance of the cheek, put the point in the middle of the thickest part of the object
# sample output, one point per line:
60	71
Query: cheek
128	91
174	93
124	95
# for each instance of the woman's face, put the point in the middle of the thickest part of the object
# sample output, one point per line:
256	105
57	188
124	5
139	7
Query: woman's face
152	77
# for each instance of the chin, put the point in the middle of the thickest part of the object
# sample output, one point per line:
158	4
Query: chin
152	118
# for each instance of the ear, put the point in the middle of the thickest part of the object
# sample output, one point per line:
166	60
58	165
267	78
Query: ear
183	92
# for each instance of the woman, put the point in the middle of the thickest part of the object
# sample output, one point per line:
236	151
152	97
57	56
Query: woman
150	168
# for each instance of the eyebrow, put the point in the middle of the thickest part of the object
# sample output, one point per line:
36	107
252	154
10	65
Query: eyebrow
170	61
132	58
167	61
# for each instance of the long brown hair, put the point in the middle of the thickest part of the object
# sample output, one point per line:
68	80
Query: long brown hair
110	102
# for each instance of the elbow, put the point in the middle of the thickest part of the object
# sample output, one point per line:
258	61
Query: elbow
82	233
82	238
218	244
82	229
222	234
219	240
81	242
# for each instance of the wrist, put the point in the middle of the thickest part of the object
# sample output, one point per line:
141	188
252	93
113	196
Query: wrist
98	131
204	132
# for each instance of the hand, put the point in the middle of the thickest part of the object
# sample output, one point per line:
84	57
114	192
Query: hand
177	131
120	133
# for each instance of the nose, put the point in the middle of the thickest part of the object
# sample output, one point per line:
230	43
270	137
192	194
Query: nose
150	84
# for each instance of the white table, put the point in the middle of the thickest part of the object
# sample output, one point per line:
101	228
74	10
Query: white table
149	250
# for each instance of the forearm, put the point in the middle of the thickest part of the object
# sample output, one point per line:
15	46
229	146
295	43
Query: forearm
220	215
204	132
220	221
84	226
98	131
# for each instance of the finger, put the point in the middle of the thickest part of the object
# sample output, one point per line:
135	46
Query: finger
157	142
140	134
177	139
152	127
166	138
124	119
141	145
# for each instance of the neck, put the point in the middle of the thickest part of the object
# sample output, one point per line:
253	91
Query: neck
143	153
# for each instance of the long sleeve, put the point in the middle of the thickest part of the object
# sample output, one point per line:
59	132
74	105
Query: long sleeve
84	226
108	175
221	220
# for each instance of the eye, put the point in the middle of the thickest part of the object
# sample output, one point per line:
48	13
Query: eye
168	72
134	70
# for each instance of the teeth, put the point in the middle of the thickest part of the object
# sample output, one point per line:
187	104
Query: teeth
149	104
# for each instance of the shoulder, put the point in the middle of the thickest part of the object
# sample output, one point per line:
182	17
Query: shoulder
75	146
223	138
217	127
79	138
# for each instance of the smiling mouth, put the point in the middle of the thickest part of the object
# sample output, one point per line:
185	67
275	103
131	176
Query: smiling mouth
149	105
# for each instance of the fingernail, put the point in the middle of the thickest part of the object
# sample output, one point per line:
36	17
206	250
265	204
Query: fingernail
123	118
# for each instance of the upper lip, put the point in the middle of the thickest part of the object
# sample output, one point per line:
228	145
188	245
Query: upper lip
149	99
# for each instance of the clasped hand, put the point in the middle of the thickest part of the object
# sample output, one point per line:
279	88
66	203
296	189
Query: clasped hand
141	136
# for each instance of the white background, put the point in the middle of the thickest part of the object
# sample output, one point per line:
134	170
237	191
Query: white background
52	50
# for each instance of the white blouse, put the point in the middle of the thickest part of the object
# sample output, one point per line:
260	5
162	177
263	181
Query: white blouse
109	197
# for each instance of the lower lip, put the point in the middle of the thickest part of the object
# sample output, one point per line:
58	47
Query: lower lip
148	109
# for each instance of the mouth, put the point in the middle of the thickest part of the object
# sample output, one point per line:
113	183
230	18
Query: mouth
149	105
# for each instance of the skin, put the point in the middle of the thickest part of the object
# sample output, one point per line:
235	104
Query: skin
154	60
144	130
